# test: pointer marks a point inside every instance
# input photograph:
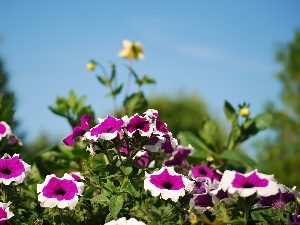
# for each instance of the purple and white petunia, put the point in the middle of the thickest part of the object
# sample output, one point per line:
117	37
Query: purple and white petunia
248	184
202	202
142	158
278	201
202	171
170	143
107	129
61	192
5	214
78	131
13	169
4	129
77	176
293	219
139	125
178	158
124	221
167	183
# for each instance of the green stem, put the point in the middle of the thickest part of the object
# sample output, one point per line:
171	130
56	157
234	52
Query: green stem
61	216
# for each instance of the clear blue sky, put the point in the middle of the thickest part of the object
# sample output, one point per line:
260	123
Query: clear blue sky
222	50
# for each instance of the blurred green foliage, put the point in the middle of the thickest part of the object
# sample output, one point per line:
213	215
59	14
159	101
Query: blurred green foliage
281	150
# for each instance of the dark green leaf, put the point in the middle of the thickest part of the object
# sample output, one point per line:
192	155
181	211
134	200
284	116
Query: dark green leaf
238	157
104	81
116	91
146	80
201	150
113	72
135	102
229	112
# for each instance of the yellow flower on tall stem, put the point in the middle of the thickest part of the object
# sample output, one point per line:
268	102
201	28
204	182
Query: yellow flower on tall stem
131	50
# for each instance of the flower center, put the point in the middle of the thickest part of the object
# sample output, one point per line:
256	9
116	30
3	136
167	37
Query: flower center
109	129
203	172
248	185
167	185
141	125
60	192
6	171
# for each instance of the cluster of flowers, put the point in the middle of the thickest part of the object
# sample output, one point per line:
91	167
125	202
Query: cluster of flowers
206	185
61	192
136	137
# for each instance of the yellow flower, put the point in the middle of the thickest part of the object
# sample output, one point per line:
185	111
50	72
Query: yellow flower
91	65
131	50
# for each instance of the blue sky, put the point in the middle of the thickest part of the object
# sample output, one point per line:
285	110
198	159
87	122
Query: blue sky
222	50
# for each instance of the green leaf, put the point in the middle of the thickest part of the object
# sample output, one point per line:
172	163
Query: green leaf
113	72
208	132
146	80
79	105
263	121
238	157
229	112
104	81
126	170
100	198
109	185
135	102
115	205
131	187
72	100
116	91
153	223
201	150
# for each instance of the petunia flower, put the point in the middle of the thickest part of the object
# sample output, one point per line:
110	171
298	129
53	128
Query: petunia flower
293	219
284	196
201	202
131	50
61	192
248	184
202	171
77	176
4	129
139	125
13	169
142	158
167	183
78	131
5	214
107	129
170	143
124	221
178	158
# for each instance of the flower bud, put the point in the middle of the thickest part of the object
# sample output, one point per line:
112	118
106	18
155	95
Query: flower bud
244	111
91	66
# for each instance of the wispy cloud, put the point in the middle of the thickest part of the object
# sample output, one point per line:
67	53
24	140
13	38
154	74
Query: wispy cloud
209	53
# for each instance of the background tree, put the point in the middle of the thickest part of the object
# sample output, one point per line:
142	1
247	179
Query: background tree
281	151
182	112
